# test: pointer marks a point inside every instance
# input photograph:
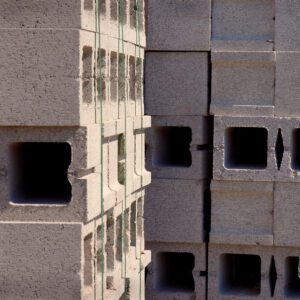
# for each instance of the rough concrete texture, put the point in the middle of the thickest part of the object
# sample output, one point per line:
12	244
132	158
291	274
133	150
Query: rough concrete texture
286	25
178	25
41	261
243	83
243	25
242	213
176	83
168	203
190	261
287	78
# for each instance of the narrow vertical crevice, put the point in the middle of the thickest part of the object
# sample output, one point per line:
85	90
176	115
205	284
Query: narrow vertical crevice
279	149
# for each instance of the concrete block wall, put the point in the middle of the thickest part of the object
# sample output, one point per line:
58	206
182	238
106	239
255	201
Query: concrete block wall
72	171
222	82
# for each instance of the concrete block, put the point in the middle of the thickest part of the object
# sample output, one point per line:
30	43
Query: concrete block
176	148
243	83
286	25
177	25
243	25
174	211
287	78
176	271
242	213
272	272
286	209
176	83
43	260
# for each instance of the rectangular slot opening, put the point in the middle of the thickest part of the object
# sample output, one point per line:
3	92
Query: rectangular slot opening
141	14
39	173
139	79
121	159
99	254
123	7
102	7
240	274
88	265
132	9
172	146
132	78
174	272
87	74
114	10
114	76
121	78
119	242
126	230
292	277
246	148
133	224
140	217
296	149
101	78
88	4
110	240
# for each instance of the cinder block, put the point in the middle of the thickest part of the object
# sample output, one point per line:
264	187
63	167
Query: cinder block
243	25
179	147
180	217
177	25
176	83
41	261
176	271
252	272
286	25
286	210
243	83
287	78
242	213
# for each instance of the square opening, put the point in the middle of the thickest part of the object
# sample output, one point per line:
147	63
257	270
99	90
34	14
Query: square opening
296	149
172	147
292	277
240	274
246	148
38	173
174	272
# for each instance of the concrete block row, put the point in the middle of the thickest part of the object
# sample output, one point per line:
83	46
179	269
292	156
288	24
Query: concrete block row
253	272
177	271
256	148
176	82
255	83
174	211
179	147
79	14
53	173
60	74
262	25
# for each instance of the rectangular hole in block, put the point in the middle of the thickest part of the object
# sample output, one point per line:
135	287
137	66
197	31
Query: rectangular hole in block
140	217
246	148
123	8
133	224
101	82
296	149
88	264
240	274
114	76
141	14
139	79
172	146
110	240
121	159
99	254
174	272
132	12
292	277
119	237
132	77
126	230
38	173
88	4
102	7
87	74
122	78
114	10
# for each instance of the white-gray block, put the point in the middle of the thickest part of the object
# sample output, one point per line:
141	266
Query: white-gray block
243	25
243	83
178	25
176	83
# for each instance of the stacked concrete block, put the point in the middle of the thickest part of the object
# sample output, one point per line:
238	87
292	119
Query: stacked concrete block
254	241
178	147
72	153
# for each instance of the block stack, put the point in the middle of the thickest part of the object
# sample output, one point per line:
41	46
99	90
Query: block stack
253	75
178	147
254	240
72	128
